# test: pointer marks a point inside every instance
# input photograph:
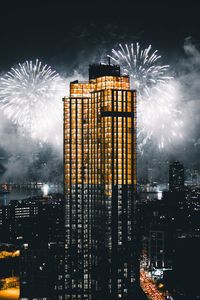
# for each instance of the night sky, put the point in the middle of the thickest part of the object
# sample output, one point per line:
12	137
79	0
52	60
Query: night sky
58	32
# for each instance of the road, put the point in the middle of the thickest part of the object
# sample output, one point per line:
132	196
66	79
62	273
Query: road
149	287
9	294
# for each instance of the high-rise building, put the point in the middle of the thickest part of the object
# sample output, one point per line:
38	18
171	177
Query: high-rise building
35	226
34	221
176	177
156	249
99	186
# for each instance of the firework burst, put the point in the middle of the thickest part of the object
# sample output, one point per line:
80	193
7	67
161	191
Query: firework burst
159	119
141	65
30	95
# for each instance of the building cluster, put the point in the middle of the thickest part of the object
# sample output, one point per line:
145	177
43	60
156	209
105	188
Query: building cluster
32	221
170	229
36	227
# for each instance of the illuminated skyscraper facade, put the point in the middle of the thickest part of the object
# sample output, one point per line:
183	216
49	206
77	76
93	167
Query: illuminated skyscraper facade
100	184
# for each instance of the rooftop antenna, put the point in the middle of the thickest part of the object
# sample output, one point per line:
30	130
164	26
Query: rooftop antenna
109	60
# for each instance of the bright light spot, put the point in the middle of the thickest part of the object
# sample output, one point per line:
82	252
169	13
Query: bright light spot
45	190
160	195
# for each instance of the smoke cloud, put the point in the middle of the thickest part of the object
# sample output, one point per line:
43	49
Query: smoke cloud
187	98
188	76
24	159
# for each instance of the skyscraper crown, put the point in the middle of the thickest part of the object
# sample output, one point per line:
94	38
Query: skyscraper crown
100	70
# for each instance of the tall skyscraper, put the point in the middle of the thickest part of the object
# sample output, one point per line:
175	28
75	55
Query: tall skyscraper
176	177
156	249
100	184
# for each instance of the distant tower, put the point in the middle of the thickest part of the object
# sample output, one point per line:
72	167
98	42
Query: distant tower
100	186
156	249
176	177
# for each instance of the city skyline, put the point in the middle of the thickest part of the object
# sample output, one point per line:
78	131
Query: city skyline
99	150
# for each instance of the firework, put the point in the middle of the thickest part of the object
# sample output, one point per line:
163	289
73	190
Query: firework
141	65
159	119
45	190
31	96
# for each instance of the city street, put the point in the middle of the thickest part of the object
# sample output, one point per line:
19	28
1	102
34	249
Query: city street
149	287
9	294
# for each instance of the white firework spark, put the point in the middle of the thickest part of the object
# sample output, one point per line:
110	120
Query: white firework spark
141	65
30	95
158	117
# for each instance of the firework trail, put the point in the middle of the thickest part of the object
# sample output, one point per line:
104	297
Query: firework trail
159	120
30	95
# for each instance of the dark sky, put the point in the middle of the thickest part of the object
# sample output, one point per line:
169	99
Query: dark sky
58	32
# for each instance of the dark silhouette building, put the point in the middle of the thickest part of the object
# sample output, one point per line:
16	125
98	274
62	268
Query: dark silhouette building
33	221
36	227
176	177
99	184
100	70
156	249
